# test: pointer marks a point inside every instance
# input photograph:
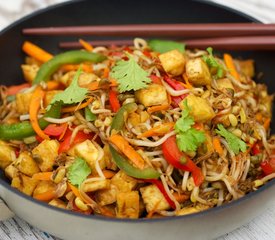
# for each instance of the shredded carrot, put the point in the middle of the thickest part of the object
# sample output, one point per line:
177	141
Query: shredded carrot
87	46
96	85
43	176
181	198
75	191
45	196
259	117
74	67
122	144
106	72
217	145
158	108
78	107
64	131
158	130
187	83
108	173
267	123
53	85
198	126
36	52
35	105
229	62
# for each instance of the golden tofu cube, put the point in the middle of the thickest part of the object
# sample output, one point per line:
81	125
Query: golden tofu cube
44	186
58	203
106	197
190	210
49	96
84	79
224	83
97	185
45	154
11	171
109	162
23	101
199	108
26	164
127	205
7	154
88	151
24	184
153	199
29	71
123	182
154	94
198	72
173	62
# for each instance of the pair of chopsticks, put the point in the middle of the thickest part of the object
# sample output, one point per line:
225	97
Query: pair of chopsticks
223	36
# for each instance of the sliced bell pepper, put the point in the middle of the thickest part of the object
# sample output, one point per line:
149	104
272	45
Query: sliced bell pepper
180	160
12	90
123	164
114	102
255	149
268	166
55	130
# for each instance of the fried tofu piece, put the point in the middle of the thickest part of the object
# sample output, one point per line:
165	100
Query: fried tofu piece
58	203
106	197
88	151
153	199
84	79
23	101
49	96
44	186
29	71
26	164
110	164
11	171
200	108
173	62
123	182
127	205
154	94
190	210
198	72
24	184
97	185
45	154
7	154
224	83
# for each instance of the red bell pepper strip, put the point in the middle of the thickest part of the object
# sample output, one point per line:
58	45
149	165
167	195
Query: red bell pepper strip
80	137
155	79
174	156
267	168
160	186
12	90
255	149
114	102
55	130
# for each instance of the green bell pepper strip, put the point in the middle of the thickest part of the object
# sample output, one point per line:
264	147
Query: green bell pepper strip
118	120
123	164
23	130
70	57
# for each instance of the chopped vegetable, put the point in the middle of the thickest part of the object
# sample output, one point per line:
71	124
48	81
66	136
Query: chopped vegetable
77	107
55	130
213	63
228	60
36	52
76	56
217	145
89	116
130	75
123	164
188	138
163	46
267	167
45	196
87	46
235	144
114	102
12	90
43	176
78	171
158	130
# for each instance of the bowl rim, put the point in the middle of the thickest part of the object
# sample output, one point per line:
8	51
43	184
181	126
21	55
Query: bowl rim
213	210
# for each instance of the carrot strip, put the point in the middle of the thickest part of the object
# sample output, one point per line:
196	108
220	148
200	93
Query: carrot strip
64	131
108	173
267	123
123	145
53	85
75	191
78	107
187	84
74	67
229	62
36	52
217	145
259	117
158	108
35	104
96	85
46	196
87	46
43	176
181	198
106	212
158	130
106	73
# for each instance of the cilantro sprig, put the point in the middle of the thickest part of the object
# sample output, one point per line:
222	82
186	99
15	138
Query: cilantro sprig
188	138
130	75
235	144
213	63
78	171
163	46
73	93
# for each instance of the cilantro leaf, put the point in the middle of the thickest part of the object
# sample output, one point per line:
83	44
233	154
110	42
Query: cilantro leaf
163	46
233	141
130	75
212	63
188	138
78	171
89	116
73	93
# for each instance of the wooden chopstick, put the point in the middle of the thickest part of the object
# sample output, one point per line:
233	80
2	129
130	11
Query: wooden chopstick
224	43
153	30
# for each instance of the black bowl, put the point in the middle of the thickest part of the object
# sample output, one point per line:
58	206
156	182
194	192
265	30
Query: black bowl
69	225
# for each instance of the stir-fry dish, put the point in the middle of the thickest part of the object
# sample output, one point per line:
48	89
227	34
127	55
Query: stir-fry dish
142	131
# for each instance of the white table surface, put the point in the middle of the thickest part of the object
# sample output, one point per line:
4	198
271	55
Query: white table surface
260	228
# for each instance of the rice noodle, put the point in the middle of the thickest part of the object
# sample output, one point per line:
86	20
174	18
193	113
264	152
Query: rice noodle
61	120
